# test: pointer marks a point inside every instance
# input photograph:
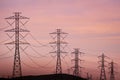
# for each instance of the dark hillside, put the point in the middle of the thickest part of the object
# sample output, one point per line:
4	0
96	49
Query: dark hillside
49	77
3	79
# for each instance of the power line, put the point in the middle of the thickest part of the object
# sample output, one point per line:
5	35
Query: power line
4	41
34	49
33	37
36	68
67	64
37	52
36	40
41	45
49	63
36	46
30	65
40	56
3	28
63	59
36	62
4	53
10	24
31	58
6	57
34	56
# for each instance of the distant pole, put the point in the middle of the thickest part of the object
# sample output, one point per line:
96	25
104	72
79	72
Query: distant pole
102	73
58	46
89	77
68	71
17	71
77	68
112	72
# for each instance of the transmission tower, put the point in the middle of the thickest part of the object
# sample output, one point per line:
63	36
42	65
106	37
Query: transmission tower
17	21
77	68
102	73
58	45
112	72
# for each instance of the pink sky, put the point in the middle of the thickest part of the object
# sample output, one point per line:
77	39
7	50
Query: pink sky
93	26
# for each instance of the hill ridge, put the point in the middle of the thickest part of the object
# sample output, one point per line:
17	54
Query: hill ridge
48	77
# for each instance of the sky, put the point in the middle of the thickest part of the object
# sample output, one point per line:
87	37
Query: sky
92	26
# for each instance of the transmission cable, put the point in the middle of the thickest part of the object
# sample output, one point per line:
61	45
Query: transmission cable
37	52
34	37
33	60
4	53
36	40
36	68
4	41
65	61
6	57
3	28
30	65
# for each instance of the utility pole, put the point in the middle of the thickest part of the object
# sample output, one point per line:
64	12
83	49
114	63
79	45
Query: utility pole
102	73
58	45
112	72
17	71
89	76
68	71
77	68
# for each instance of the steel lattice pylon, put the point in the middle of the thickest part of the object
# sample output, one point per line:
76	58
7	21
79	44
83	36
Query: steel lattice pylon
102	73
17	71
77	67
112	72
57	44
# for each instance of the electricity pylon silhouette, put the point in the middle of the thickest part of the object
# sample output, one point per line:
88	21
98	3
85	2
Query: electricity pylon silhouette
89	76
17	71
102	73
68	71
77	68
58	45
112	72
